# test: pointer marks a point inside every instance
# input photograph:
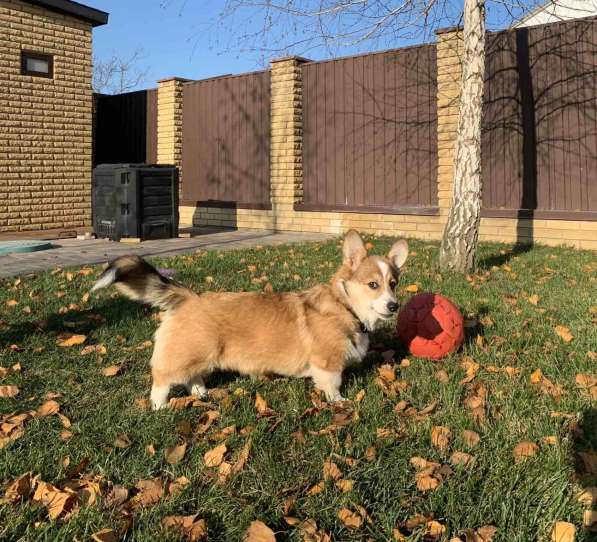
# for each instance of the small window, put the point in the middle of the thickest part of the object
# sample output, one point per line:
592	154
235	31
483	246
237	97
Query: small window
38	64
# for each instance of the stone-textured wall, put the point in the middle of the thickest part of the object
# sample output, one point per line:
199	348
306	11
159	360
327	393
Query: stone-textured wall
170	121
45	124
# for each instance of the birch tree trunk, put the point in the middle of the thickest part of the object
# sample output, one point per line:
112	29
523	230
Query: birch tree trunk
459	241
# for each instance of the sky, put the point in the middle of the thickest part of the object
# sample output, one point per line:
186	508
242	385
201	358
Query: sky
179	38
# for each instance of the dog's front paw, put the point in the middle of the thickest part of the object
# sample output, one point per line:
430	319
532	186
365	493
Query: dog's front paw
334	397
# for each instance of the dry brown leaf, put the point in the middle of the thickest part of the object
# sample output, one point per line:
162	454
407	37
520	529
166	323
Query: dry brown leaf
261	406
56	501
206	420
215	456
564	333
242	458
471	438
259	532
8	391
442	376
113	370
427	483
89	349
19	489
331	471
462	459
174	454
471	368
525	449
412	288
398	536
387	372
350	519
122	441
440	437
434	529
487	532
345	485
588	497
533	299
191	528
49	408
370	453
563	532
149	492
316	489
105	535
68	339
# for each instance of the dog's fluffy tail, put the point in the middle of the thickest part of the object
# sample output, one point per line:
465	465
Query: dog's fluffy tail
140	281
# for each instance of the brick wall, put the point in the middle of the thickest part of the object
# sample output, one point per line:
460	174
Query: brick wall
45	124
286	173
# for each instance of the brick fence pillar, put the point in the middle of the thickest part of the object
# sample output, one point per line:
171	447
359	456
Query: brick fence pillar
286	152
170	121
449	76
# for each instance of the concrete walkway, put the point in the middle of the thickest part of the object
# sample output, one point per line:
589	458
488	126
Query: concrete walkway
72	252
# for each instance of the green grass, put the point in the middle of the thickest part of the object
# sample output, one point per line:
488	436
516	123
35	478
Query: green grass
522	500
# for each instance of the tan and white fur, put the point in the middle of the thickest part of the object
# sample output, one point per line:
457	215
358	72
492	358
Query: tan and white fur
316	333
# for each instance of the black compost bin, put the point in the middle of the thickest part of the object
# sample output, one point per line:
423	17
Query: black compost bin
135	200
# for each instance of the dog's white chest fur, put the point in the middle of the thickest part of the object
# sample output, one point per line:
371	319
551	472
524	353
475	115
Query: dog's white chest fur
357	347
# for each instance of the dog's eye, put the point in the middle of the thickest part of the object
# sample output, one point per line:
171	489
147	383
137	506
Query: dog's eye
373	285
392	284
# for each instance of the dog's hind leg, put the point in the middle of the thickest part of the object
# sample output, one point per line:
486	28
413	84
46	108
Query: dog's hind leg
196	387
328	382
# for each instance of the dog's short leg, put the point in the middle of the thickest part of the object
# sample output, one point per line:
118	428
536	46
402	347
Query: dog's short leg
328	382
196	387
159	396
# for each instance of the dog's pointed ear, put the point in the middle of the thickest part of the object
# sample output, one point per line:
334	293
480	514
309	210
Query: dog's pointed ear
398	253
353	250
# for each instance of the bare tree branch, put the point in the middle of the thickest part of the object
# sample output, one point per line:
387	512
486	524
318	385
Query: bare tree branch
116	75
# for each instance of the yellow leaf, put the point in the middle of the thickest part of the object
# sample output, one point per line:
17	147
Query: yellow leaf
435	529
189	527
48	409
19	489
524	450
471	438
462	459
563	532
350	519
150	449
440	437
412	288
471	368
427	483
8	391
174	454
564	333
331	470
316	489
260	404
242	458
534	299
259	532
12	303
67	340
113	370
215	456
359	396
345	485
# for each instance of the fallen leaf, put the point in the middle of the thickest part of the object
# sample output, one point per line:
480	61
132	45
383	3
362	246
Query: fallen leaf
215	456
174	454
105	535
8	391
442	376
48	409
205	421
462	459
242	458
471	368
434	529
563	532
191	528
345	485
261	406
359	396
370	453
149	492
68	339
534	299
19	489
487	532
524	450
440	437
412	288
471	438
427	483
176	486
259	532
331	471
122	441
564	333
350	519
56	501
89	349
317	488
113	370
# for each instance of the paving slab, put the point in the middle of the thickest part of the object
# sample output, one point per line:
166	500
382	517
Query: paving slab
74	252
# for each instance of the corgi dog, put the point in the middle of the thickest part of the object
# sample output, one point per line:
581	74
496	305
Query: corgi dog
316	333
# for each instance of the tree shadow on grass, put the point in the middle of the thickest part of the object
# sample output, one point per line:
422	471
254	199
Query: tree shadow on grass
584	455
504	256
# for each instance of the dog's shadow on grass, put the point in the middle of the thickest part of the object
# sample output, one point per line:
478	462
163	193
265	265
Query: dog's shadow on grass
583	454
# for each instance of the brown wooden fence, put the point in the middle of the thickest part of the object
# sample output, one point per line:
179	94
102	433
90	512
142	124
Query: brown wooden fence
226	141
125	128
370	134
540	122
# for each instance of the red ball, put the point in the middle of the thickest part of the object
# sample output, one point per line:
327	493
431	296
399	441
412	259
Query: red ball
430	326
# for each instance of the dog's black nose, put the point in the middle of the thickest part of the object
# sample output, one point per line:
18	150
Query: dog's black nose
392	306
